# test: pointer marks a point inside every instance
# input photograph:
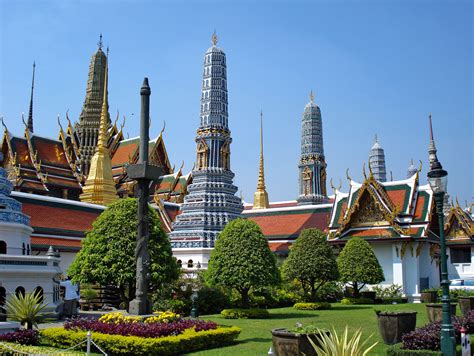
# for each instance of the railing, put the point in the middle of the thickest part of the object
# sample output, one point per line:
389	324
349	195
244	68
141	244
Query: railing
88	341
28	260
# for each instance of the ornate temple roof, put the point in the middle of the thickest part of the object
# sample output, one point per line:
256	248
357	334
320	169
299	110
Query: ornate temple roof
459	226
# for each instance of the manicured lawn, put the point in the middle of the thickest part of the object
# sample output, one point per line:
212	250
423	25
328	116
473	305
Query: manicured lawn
256	339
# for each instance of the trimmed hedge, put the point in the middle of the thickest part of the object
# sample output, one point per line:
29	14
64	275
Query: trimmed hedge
245	314
356	301
189	341
312	306
396	350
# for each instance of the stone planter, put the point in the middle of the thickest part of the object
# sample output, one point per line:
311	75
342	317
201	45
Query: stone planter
435	311
286	343
392	325
466	304
368	294
429	297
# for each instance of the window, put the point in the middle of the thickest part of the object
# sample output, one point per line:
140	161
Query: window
3	248
461	255
180	263
20	290
39	292
190	264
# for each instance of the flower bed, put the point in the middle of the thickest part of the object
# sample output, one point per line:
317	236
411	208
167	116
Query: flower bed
22	337
188	341
139	328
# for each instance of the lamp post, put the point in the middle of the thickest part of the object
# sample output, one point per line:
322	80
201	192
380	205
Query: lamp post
438	180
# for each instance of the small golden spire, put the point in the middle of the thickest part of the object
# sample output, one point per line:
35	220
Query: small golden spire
260	200
100	186
214	38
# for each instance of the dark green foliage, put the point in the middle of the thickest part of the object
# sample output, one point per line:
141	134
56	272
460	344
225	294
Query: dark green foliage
312	306
107	256
211	300
358	265
396	350
311	261
242	260
245	313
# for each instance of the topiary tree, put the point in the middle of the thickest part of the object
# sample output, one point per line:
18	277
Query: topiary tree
242	259
107	256
358	265
311	261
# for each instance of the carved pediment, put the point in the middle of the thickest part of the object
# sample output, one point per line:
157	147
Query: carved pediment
368	213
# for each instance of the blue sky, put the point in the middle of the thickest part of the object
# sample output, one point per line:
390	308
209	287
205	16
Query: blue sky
375	67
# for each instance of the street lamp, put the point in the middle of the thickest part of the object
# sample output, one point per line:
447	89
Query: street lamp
438	180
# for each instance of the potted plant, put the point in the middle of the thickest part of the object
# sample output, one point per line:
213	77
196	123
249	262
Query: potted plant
435	311
393	324
466	304
295	341
429	295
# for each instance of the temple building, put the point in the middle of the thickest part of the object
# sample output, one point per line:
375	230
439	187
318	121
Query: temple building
377	161
211	202
20	270
312	165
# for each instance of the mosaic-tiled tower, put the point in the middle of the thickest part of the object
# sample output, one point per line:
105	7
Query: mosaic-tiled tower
312	165
411	170
211	202
89	121
377	161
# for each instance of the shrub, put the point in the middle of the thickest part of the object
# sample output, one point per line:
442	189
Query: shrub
190	340
27	309
245	314
396	350
211	301
390	292
356	301
330	292
141	329
22	337
312	306
163	317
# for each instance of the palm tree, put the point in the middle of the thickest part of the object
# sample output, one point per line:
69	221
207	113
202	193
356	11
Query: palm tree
27	309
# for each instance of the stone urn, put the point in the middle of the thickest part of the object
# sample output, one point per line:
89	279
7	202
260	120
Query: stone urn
287	343
435	311
430	296
393	324
466	304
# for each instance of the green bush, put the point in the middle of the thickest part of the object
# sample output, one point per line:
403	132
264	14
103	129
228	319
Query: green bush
312	306
392	291
188	341
211	301
356	301
396	350
245	314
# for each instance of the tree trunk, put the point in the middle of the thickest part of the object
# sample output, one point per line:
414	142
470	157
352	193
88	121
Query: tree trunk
313	290
356	289
244	293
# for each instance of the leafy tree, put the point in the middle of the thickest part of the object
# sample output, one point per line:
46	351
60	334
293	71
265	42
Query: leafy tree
358	265
311	261
107	256
242	259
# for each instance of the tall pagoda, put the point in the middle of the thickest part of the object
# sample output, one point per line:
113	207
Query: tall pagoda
211	202
377	161
312	165
88	126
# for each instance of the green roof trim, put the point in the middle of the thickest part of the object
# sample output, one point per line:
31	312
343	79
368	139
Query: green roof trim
338	212
287	212
424	212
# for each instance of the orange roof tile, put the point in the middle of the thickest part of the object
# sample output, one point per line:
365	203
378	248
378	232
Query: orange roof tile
51	241
397	197
124	152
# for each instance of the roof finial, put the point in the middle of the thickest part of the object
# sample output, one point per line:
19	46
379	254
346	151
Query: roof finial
260	200
30	112
376	139
311	96
431	128
214	38
100	43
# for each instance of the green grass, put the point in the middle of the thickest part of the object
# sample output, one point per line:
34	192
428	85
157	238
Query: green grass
256	338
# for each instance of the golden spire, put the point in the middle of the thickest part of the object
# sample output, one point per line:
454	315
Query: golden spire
100	186
260	199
